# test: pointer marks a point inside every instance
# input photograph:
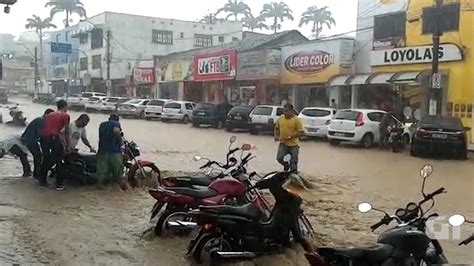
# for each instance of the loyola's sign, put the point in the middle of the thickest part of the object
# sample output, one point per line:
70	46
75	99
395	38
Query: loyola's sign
415	55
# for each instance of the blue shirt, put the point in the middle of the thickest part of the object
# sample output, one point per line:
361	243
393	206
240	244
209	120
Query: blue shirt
32	131
108	141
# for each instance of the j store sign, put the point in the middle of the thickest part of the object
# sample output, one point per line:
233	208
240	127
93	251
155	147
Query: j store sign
415	55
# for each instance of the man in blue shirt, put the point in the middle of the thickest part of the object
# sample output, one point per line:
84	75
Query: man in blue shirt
109	156
30	138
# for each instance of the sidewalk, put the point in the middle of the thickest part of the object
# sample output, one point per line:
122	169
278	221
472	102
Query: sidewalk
470	147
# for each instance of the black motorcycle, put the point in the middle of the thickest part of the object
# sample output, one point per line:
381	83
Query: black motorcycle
17	117
457	220
245	232
395	137
405	244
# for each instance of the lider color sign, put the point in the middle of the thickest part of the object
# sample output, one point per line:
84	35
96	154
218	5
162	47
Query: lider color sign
415	55
216	66
316	62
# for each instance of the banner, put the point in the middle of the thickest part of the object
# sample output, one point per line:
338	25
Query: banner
144	76
215	66
177	70
263	64
316	62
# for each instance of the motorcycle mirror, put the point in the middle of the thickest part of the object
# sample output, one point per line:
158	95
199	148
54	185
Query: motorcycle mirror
287	158
456	220
246	147
364	207
197	158
426	171
232	139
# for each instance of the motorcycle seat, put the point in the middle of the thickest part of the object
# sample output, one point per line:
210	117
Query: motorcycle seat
198	180
194	192
248	210
377	253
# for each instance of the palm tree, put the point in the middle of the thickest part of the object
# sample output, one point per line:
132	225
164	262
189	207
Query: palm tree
320	17
68	6
235	9
39	25
276	11
253	23
207	19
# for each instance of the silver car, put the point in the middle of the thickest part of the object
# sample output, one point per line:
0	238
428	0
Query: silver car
135	108
178	111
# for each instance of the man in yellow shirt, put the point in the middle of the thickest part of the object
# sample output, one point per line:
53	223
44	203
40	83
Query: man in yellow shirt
288	130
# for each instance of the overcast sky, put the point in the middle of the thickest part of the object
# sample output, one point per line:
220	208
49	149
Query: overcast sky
344	11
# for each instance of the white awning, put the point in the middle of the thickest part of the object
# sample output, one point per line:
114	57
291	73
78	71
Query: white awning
381	78
405	77
339	80
359	79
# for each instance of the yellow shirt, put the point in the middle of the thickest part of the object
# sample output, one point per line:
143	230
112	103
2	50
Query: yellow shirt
288	127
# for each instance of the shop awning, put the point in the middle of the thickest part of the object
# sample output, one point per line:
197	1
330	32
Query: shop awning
405	77
359	79
381	78
339	80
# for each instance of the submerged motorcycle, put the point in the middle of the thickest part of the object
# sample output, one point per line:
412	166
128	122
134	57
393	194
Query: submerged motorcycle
458	220
406	244
17	117
244	232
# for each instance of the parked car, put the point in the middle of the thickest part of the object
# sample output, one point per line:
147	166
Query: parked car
178	111
94	103
88	95
356	126
316	120
154	108
238	118
263	118
440	134
3	96
210	114
133	108
78	101
110	104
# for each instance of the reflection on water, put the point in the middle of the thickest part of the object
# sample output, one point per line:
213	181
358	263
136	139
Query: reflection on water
90	226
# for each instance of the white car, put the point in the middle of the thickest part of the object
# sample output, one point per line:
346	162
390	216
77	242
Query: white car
263	118
359	126
316	120
178	111
135	108
110	104
94	103
154	108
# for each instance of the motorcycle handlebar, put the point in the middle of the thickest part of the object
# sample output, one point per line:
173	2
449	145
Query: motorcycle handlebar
385	220
431	195
467	240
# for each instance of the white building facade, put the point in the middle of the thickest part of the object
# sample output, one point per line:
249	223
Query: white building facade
134	41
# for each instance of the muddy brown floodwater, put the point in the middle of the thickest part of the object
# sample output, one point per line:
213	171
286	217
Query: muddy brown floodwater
109	227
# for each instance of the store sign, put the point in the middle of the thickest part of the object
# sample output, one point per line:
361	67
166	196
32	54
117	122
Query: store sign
388	43
144	76
415	55
215	66
176	71
263	64
316	62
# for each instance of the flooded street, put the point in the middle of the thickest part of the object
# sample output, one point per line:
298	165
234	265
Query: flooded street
103	227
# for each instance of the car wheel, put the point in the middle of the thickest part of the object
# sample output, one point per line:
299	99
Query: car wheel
334	142
228	128
367	141
142	115
254	131
413	149
164	120
219	124
195	124
463	154
185	120
147	118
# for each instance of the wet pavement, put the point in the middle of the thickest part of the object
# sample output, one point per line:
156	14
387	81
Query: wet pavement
104	227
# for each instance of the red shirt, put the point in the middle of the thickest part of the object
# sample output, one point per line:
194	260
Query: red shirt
54	123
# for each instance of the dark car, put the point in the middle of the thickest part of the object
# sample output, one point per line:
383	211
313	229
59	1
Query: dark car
238	118
213	114
440	134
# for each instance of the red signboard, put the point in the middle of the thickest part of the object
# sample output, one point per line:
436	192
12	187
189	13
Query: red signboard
215	66
144	76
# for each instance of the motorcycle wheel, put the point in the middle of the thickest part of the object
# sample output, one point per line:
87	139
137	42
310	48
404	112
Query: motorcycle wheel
162	229
135	177
208	244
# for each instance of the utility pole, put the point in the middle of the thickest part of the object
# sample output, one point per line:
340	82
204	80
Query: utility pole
436	86
36	72
108	82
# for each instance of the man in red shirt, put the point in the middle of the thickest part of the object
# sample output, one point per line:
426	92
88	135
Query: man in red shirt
54	144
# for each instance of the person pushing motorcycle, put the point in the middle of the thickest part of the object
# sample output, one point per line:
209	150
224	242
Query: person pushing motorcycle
109	156
288	130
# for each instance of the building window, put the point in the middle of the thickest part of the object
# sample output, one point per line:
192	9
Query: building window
181	35
83	63
201	40
55	61
58	36
221	39
84	38
96	61
67	36
97	38
234	39
390	26
162	36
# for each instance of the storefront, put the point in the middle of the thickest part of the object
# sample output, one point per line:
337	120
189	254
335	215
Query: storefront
258	74
143	82
216	71
307	69
174	80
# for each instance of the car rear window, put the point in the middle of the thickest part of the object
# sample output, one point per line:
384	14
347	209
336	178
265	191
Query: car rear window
122	100
316	112
347	115
156	103
262	111
94	99
375	116
205	106
87	95
243	110
134	101
173	105
450	123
